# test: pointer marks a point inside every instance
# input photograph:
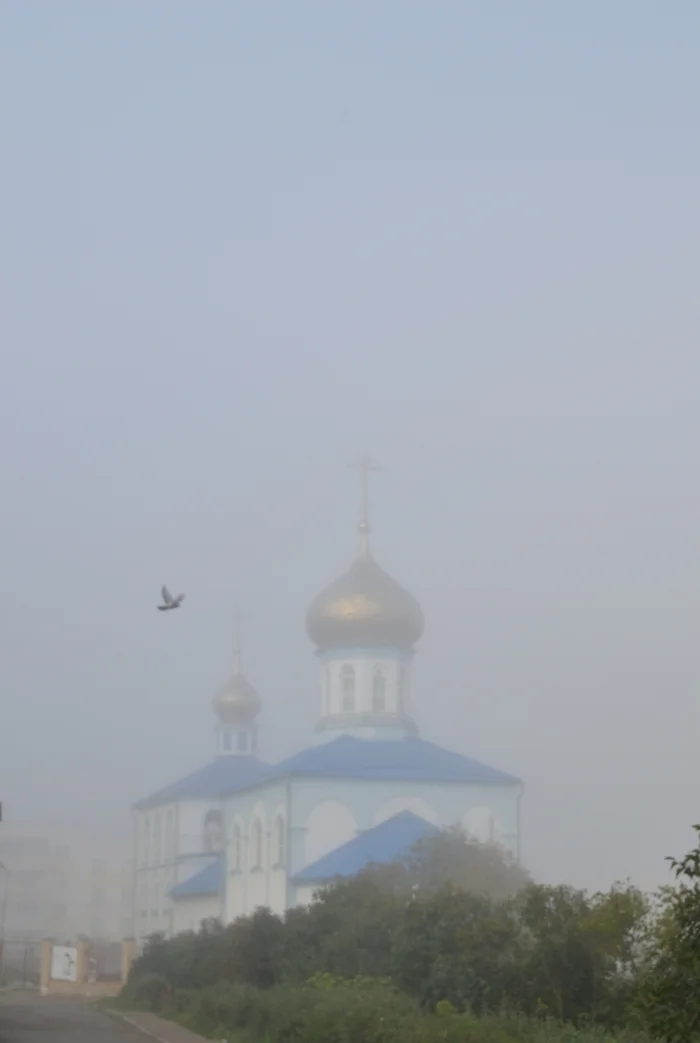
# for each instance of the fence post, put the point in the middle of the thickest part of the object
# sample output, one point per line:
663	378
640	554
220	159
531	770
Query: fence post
128	954
81	969
45	965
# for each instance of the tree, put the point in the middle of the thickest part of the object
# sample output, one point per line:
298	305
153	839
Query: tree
578	951
348	930
669	995
453	857
457	946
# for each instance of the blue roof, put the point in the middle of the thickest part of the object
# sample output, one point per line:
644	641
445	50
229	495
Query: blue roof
216	779
408	759
386	842
206	881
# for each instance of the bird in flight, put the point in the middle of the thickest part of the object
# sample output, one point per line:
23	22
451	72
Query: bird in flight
169	601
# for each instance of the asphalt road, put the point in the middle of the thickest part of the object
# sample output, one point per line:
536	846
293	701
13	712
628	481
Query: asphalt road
30	1020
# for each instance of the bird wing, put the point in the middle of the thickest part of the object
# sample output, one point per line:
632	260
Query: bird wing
179	599
167	596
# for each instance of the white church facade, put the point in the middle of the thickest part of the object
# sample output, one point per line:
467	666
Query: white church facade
239	833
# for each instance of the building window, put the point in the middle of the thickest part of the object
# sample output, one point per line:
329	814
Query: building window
237	849
242	741
280	838
379	691
347	687
326	690
228	744
257	845
213	832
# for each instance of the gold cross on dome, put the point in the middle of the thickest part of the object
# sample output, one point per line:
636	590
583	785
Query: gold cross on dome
238	618
364	465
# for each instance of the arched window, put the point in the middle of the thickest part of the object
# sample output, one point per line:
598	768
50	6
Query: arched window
237	845
347	687
213	832
242	740
257	845
379	691
280	841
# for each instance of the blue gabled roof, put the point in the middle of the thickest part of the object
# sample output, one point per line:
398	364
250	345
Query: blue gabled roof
408	759
220	777
384	843
206	881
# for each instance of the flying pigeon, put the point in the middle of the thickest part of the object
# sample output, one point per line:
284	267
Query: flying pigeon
169	601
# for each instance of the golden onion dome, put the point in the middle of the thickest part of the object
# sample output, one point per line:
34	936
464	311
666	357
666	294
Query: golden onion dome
238	702
364	607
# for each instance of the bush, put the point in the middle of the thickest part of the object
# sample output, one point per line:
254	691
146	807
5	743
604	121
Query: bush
149	991
496	942
328	1010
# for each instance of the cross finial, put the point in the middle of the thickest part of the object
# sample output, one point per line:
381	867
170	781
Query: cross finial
364	465
237	650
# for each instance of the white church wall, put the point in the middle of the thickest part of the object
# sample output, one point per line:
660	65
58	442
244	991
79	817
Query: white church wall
188	913
257	862
328	825
305	895
192	816
254	876
319	815
363	800
155	843
482	823
396	805
278	850
236	877
169	848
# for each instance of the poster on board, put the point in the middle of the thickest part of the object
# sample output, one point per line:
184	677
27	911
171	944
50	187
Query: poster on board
64	963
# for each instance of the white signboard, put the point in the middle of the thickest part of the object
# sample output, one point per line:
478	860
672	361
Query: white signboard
64	963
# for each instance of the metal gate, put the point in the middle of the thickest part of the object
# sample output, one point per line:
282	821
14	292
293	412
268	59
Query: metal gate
104	961
20	964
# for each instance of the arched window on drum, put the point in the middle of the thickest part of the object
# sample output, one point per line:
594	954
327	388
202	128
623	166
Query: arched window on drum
378	690
347	685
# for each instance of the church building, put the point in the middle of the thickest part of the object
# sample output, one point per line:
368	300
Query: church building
241	833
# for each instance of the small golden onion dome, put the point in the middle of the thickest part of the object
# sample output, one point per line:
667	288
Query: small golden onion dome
364	607
238	702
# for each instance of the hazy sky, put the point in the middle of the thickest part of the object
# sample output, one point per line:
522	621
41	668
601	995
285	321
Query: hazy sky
242	242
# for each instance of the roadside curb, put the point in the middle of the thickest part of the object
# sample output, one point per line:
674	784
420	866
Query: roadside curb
162	1032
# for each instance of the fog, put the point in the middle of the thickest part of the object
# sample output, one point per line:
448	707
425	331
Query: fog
242	243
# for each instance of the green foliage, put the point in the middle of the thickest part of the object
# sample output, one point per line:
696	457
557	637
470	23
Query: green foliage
453	857
578	953
456	946
669	994
146	991
494	941
355	1012
250	950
